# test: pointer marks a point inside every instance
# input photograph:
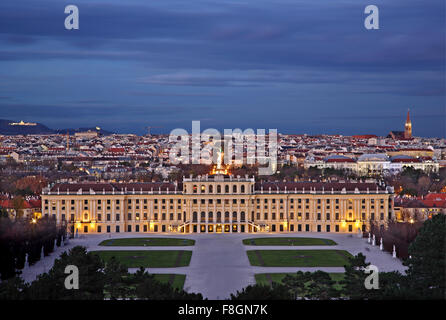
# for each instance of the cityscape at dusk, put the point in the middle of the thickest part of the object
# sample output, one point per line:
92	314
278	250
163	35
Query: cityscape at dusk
204	152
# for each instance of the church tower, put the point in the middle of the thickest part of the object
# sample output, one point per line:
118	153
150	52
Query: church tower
408	127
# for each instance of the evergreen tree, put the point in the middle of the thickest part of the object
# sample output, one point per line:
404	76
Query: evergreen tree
51	285
321	286
296	284
263	292
353	283
426	264
115	275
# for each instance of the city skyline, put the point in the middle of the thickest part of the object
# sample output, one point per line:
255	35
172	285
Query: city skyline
298	66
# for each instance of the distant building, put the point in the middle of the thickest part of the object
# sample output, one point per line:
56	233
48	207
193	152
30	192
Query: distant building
403	135
408	127
90	134
22	123
421	208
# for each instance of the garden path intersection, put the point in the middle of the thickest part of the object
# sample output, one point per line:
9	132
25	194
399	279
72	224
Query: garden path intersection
219	265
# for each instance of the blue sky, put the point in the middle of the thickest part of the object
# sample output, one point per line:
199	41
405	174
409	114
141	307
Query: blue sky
298	66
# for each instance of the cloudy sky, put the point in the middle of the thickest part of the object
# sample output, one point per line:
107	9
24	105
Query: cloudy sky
301	66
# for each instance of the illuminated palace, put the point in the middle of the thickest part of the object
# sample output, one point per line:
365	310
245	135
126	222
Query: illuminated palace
218	203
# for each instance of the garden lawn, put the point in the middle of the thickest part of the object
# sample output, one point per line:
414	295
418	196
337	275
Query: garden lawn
298	258
178	280
135	242
289	241
148	259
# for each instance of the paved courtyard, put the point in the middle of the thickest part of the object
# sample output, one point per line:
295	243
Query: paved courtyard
219	264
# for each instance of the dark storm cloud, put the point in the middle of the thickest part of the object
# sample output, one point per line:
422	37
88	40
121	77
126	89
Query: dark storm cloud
251	54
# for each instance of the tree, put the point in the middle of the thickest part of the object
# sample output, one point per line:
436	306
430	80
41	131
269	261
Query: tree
311	285
426	263
31	184
353	283
12	289
19	204
296	284
115	279
321	286
263	292
51	285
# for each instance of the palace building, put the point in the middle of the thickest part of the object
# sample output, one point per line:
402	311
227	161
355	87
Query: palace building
218	203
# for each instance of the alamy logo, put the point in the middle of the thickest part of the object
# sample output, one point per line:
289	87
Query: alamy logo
72	280
372	20
233	147
72	20
371	281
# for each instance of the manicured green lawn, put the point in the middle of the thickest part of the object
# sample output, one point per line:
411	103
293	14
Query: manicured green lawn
288	241
298	258
147	242
178	281
262	278
149	259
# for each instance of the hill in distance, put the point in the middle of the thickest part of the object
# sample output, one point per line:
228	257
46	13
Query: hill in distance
11	127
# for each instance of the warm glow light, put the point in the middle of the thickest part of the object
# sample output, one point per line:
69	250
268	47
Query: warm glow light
34	220
343	223
411	220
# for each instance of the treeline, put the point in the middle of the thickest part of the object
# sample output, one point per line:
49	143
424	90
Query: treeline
397	234
415	182
96	281
21	238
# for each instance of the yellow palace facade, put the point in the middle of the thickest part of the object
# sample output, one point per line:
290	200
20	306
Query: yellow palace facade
218	203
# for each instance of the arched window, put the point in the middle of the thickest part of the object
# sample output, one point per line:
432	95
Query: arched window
242	216
195	217
195	188
234	189
234	216
242	189
218	188
210	215
203	216
226	189
211	189
203	188
218	216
